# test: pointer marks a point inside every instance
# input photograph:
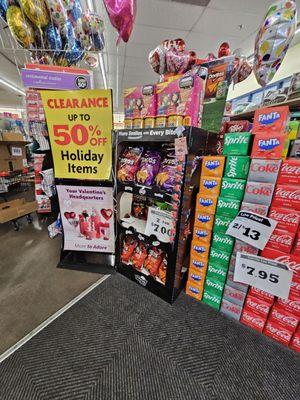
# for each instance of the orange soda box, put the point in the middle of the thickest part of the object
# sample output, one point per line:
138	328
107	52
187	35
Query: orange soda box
202	235
196	277
193	290
213	166
204	220
200	249
198	264
206	203
210	185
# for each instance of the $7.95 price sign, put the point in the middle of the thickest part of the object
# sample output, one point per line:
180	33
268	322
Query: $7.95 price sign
159	223
264	274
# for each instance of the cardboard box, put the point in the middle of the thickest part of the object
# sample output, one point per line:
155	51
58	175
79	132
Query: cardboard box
295	342
202	235
253	320
12	137
278	332
213	166
193	290
9	161
231	310
15	209
258	306
206	203
266	146
210	186
271	119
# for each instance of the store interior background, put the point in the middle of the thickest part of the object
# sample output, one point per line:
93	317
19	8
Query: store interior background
31	288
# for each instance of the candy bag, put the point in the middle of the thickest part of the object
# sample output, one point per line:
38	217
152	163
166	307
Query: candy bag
129	162
154	260
128	246
149	166
162	272
139	207
166	175
139	256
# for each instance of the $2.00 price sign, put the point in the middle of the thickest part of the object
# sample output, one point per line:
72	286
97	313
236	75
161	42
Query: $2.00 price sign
252	228
264	274
79	125
159	223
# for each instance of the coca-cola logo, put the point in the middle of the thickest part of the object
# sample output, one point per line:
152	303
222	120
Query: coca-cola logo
291	264
279	333
290	169
258	306
287	194
254	320
282	239
289	320
291	218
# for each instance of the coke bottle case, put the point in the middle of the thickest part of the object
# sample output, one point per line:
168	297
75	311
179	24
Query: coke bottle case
157	263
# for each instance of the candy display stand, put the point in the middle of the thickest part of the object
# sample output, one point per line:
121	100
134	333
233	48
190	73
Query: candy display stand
153	217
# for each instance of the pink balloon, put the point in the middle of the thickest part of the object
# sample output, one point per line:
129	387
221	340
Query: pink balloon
122	15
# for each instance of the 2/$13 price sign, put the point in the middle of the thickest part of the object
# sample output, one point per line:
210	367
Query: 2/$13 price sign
79	125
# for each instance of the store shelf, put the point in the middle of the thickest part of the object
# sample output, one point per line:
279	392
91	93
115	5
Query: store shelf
294	105
14	142
153	192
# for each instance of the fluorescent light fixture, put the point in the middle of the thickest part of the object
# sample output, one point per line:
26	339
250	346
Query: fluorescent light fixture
12	87
297	30
102	67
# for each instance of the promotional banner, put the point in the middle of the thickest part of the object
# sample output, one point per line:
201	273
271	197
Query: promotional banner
79	125
87	218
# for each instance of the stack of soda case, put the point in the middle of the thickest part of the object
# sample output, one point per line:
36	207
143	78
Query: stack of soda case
199	143
206	203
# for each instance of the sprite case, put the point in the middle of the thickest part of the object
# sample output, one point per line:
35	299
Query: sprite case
237	167
219	257
216	271
233	188
214	285
221	223
223	242
228	207
236	143
212	299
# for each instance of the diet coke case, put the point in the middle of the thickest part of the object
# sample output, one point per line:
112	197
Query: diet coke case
231	310
264	170
259	193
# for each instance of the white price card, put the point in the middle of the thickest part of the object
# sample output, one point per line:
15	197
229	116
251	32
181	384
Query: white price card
252	228
16	151
159	223
268	275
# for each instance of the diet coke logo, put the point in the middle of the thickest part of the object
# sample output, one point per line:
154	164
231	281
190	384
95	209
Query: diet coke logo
281	334
258	167
259	190
288	194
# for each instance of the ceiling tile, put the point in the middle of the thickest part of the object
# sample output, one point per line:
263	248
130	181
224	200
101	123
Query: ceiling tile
138	50
151	35
256	7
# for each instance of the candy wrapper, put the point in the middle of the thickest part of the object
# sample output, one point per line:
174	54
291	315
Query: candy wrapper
166	175
139	207
162	272
139	256
149	167
129	163
128	246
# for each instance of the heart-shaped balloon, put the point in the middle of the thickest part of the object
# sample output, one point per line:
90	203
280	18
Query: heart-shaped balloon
224	50
67	214
122	15
179	62
157	59
106	213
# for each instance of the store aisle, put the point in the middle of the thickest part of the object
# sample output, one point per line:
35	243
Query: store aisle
122	342
31	287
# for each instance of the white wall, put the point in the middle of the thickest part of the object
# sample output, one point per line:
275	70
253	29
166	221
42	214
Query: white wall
290	65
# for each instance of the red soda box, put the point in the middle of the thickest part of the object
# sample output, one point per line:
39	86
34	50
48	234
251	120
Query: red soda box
291	304
268	145
238	126
271	119
290	172
234	295
295	286
253	320
278	332
296	245
287	219
261	294
259	193
231	310
260	209
284	318
287	196
258	306
290	260
281	240
295	342
243	247
264	170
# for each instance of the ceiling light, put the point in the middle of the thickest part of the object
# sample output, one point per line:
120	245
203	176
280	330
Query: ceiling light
12	87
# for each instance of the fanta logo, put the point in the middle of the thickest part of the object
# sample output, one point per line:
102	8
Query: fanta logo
194	290
201	234
270	118
196	277
199	249
198	264
268	144
205	202
210	184
212	164
203	218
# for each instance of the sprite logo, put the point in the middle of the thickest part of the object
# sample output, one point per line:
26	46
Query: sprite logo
228	204
239	139
214	285
211	297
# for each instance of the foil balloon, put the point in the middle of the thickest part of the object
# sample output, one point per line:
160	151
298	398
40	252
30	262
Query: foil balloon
179	62
224	50
98	42
75	54
75	12
20	27
3	9
83	38
68	4
157	59
53	38
36	11
68	34
122	16
242	67
92	23
91	60
273	39
57	12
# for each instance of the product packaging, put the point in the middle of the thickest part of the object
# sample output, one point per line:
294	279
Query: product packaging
213	166
264	170
287	196
198	263
201	249
257	305
242	287
202	235
210	185
228	207
261	294
216	271
231	310
295	342
214	285
278	332
296	245
284	318
295	149
212	299
206	203
289	172
259	193
234	295
260	209
237	167
287	219
290	260
281	240
221	223
293	130
237	143
271	120
223	242
194	290
233	188
252	320
196	278
204	220
140	102
243	247
268	145
238	126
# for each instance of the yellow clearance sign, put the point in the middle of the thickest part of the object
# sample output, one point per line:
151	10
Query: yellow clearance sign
79	124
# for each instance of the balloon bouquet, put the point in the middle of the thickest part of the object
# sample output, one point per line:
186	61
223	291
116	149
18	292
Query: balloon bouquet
55	32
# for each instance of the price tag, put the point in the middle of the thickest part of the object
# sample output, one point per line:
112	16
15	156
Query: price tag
252	229
268	275
159	223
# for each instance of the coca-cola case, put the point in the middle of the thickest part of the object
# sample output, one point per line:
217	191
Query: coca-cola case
278	332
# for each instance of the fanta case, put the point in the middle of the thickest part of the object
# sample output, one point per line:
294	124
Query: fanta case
271	120
140	102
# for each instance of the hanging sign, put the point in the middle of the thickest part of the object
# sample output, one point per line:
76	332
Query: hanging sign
79	125
268	275
87	218
252	228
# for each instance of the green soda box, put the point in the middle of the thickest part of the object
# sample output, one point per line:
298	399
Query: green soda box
212	299
221	223
223	242
236	143
237	167
233	188
228	207
215	271
219	257
214	286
